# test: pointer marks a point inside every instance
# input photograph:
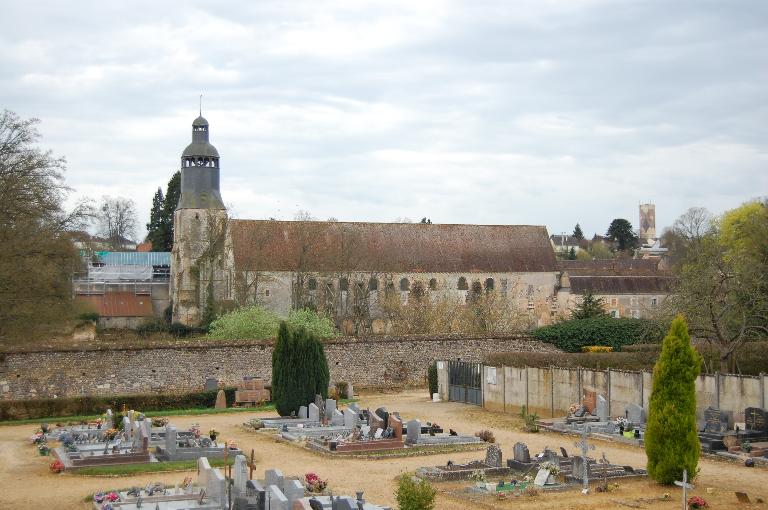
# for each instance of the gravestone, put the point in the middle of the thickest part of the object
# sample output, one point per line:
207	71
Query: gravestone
716	420
384	415
601	408
397	426
303	412
211	384
354	407
350	391
110	421
578	467
274	477
320	403
330	407
170	439
314	412
590	400
413	432
127	429
635	414
337	418
365	430
240	474
293	491
493	456
755	419
580	411
376	422
276	499
216	487
203	471
521	453
221	400
541	478
350	418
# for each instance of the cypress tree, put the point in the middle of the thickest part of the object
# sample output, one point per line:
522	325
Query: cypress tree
172	195
671	441
156	225
299	369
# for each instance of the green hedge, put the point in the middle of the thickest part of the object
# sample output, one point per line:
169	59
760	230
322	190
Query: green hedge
572	335
89	405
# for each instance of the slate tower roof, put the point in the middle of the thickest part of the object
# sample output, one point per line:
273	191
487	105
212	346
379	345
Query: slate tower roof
200	171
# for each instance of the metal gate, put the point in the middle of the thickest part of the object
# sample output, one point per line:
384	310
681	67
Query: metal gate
465	382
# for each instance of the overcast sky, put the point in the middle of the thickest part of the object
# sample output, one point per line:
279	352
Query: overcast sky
511	112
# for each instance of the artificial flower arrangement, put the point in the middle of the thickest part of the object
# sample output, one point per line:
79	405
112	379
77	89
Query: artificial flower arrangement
314	483
43	449
56	466
477	476
111	434
552	467
573	407
697	502
213	434
159	421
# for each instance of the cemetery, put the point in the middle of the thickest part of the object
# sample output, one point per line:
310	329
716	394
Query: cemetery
322	427
213	490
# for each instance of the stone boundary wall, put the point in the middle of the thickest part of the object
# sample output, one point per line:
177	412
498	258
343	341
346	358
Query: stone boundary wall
376	362
549	391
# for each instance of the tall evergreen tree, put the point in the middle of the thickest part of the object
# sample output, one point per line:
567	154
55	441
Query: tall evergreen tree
620	231
572	253
172	195
671	441
589	307
299	369
577	233
156	225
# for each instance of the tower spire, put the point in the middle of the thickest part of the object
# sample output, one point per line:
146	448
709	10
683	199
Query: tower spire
201	105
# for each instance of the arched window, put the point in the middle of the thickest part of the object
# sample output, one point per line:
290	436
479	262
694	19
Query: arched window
463	284
477	288
343	284
433	284
312	284
488	284
405	284
373	284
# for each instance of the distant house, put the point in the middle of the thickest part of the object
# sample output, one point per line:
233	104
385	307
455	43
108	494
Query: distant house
563	243
125	288
629	287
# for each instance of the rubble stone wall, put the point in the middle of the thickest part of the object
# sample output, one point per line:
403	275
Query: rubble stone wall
378	362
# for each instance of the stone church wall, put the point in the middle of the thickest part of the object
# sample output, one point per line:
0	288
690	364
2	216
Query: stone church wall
380	362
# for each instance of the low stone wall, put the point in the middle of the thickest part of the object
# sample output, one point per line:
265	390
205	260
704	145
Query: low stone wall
372	362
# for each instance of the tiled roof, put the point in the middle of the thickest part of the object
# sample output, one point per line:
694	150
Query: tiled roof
621	284
608	267
119	304
390	247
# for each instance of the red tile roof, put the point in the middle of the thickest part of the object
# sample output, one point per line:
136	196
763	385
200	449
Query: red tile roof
119	304
321	246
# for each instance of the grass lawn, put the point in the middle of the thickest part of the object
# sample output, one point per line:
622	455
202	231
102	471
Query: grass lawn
154	467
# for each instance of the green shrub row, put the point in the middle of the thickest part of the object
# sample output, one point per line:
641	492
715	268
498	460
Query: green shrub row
751	359
176	329
572	335
90	405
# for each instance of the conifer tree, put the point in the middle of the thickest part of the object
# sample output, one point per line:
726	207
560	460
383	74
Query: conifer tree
671	441
156	225
299	369
172	195
589	307
577	233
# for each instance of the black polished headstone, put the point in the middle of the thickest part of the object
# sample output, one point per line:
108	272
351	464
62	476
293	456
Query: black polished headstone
755	419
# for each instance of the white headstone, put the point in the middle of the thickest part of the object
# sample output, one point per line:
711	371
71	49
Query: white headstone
170	439
601	408
110	421
413	431
330	407
303	412
216	486
127	429
276	500
293	491
240	474
274	477
541	478
337	418
203	471
350	418
365	430
314	412
435	397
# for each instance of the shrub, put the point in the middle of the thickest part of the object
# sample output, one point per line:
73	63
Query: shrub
318	325
88	316
671	441
151	326
414	494
94	404
572	335
299	369
342	388
248	323
486	436
592	360
432	378
529	419
179	330
597	348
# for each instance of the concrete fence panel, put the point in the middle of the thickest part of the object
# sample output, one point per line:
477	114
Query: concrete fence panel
626	388
540	390
515	390
493	388
566	388
739	392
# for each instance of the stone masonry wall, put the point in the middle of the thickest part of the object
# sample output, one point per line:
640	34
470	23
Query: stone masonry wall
376	362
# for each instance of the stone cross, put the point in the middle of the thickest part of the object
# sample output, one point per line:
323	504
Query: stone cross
241	474
585	447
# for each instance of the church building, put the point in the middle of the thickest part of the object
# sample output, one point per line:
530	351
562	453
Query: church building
343	268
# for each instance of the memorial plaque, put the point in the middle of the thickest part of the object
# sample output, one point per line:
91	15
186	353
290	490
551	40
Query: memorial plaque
716	420
541	478
754	419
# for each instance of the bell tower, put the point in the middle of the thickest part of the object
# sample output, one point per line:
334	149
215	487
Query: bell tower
200	231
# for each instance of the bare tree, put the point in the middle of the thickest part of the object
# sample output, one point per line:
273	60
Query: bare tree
37	255
117	221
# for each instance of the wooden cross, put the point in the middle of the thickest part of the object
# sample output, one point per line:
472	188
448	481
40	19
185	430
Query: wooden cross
251	464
